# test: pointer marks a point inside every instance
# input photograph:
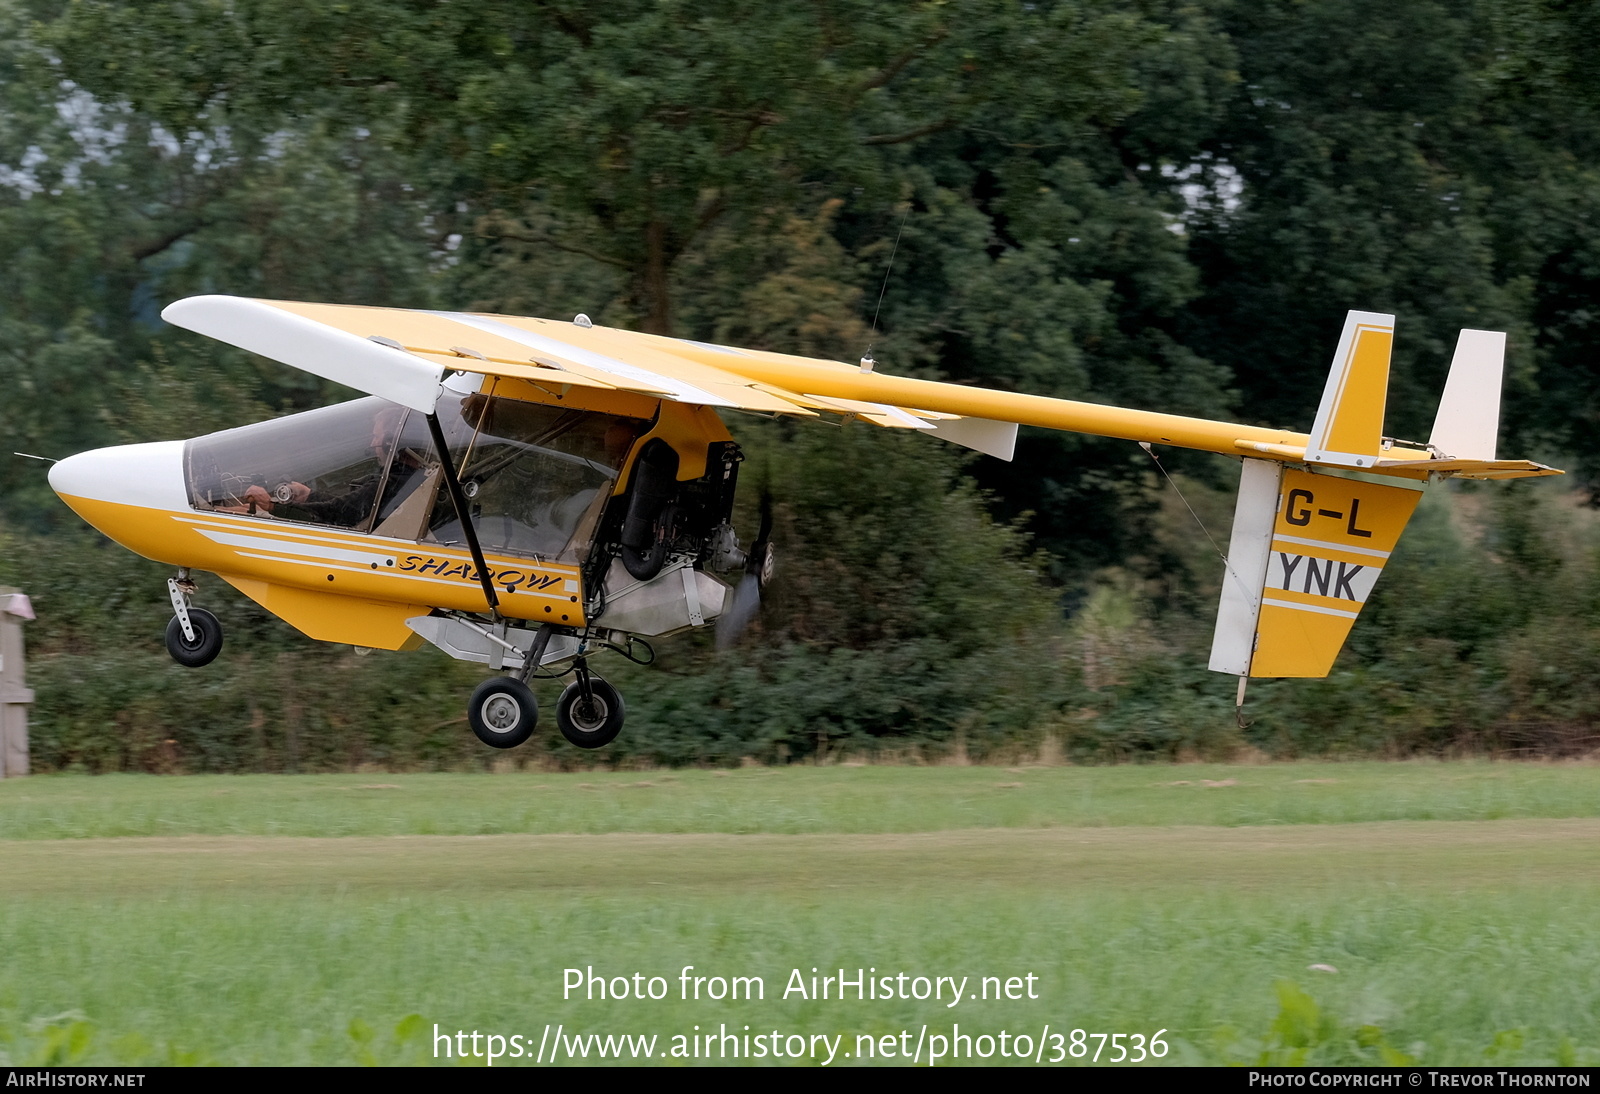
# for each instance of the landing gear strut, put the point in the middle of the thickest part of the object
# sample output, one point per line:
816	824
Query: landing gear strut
194	636
503	712
590	711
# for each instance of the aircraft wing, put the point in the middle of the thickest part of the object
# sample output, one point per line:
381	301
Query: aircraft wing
403	355
356	346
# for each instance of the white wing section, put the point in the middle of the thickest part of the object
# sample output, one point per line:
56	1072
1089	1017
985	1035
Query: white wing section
1468	423
314	347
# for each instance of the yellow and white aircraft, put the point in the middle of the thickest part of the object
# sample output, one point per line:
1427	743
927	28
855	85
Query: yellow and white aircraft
525	493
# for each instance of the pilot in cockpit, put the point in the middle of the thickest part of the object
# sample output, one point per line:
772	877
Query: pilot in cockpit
350	507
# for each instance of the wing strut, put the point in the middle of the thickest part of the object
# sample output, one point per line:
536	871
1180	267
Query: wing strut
459	500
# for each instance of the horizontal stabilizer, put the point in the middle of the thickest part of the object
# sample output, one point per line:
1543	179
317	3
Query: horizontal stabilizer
1475	469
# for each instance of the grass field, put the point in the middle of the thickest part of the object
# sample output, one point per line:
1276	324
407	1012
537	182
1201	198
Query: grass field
337	919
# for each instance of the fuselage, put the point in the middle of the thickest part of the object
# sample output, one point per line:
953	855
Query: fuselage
335	584
337	519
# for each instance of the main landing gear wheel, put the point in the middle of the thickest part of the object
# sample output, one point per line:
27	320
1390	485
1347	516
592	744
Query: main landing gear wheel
204	647
592	721
503	712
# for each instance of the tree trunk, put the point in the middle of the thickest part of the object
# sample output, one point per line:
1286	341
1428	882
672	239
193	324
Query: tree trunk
656	294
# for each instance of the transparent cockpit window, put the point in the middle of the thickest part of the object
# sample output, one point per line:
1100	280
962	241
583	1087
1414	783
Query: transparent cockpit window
413	489
537	477
329	466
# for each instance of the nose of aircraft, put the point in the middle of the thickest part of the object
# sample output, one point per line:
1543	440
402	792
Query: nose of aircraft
149	476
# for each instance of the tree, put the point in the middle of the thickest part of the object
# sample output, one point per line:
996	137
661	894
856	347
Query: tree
1434	159
630	131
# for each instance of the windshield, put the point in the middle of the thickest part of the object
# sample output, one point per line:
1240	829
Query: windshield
536	477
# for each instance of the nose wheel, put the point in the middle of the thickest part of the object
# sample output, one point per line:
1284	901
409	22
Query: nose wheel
194	636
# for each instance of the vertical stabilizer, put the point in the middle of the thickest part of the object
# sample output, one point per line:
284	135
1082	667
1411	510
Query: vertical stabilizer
1328	536
1306	550
1349	425
1468	423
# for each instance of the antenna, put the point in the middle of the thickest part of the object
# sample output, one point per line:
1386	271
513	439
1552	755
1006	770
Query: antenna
867	362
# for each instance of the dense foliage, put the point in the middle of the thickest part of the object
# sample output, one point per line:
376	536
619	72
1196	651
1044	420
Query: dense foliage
1148	203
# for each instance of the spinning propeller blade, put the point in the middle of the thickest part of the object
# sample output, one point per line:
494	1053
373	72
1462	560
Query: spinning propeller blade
741	610
746	602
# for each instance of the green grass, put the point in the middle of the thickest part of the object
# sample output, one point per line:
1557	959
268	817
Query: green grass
1139	905
792	800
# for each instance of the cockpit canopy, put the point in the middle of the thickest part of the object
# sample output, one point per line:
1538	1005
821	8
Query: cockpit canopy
536	477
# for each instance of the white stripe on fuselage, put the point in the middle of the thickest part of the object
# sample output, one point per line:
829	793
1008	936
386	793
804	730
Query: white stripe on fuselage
303	550
298	552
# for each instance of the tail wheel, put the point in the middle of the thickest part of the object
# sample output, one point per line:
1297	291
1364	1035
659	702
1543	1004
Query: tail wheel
503	712
592	721
203	648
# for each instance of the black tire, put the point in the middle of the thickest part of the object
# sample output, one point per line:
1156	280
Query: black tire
503	712
207	639
591	725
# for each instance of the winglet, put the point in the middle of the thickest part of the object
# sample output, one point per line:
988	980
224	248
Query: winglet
1349	425
1469	413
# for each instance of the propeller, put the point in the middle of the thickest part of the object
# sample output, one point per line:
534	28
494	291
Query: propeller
758	569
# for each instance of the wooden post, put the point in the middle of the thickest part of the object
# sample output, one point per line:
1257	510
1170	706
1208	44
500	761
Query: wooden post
15	696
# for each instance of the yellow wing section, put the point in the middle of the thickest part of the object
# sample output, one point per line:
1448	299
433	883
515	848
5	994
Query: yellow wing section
548	352
361	346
